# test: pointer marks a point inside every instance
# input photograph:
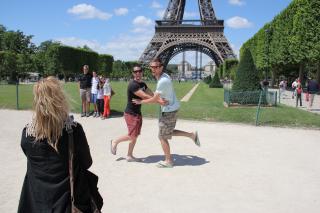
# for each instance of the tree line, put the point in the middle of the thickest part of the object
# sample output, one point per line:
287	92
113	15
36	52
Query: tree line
19	57
289	45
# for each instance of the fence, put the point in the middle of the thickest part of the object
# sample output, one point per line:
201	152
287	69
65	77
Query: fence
232	98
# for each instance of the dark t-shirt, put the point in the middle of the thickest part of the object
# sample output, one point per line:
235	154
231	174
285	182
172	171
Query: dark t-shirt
85	81
134	86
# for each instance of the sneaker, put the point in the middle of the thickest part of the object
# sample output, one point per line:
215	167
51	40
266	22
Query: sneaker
164	164
83	114
113	150
196	139
87	114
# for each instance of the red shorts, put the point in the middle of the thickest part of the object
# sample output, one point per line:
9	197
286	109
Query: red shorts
134	124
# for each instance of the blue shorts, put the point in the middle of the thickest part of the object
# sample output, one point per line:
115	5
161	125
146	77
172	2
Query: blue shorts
93	98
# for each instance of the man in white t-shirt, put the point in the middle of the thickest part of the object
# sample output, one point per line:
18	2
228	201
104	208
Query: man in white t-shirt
168	114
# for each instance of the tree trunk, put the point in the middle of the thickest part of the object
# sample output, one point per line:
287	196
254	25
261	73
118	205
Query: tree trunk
301	71
273	76
318	73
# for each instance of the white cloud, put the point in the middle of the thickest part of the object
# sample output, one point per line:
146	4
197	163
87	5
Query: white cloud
156	5
123	47
236	2
238	22
87	11
160	13
188	15
142	21
139	30
78	42
128	47
236	49
121	11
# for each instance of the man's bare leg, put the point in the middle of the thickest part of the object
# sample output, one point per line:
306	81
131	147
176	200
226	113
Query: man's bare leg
132	143
166	149
191	135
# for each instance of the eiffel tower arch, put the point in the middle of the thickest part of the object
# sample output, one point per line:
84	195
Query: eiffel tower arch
174	35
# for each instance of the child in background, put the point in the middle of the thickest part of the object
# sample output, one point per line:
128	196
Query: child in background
107	97
100	101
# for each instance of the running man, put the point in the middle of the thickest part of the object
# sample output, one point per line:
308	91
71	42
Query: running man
137	89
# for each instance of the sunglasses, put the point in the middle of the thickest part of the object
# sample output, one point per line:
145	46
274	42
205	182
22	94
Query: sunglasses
136	71
154	67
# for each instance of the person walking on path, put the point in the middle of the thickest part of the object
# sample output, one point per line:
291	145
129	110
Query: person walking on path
294	86
282	85
299	94
137	89
44	141
85	90
168	114
312	88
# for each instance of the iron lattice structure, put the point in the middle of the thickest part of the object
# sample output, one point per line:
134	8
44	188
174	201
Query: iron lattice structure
174	35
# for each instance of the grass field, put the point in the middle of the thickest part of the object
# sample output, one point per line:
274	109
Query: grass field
205	104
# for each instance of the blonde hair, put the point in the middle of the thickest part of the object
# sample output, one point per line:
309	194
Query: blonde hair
51	110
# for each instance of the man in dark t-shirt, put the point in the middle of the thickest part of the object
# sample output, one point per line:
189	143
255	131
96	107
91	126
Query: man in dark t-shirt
137	89
85	90
133	87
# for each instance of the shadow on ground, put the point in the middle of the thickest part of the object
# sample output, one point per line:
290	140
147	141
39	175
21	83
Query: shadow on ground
179	160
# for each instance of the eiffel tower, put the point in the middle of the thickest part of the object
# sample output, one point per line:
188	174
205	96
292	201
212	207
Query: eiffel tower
174	35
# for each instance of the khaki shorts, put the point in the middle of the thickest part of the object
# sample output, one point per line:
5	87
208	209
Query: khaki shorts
167	123
85	94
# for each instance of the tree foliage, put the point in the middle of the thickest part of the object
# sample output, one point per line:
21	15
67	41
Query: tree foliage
291	39
247	77
215	83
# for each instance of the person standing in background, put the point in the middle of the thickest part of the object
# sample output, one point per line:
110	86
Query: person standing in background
106	98
100	101
85	90
94	92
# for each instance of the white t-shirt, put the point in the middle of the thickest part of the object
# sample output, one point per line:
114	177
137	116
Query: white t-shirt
94	87
166	91
107	89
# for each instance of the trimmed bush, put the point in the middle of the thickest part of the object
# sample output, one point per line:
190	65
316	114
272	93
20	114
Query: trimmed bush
207	79
215	83
247	77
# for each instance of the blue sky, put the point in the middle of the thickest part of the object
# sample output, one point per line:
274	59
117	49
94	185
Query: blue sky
123	28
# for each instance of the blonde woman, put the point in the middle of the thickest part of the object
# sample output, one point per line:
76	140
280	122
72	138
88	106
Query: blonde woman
44	141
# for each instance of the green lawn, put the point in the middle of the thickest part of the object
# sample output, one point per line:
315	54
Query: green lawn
205	104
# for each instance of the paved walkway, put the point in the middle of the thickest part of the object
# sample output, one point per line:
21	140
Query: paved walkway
190	93
237	169
286	98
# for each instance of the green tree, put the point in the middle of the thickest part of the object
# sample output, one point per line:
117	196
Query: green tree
215	83
247	78
105	64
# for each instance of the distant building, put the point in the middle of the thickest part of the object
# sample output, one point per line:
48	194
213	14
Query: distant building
191	73
186	73
210	69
